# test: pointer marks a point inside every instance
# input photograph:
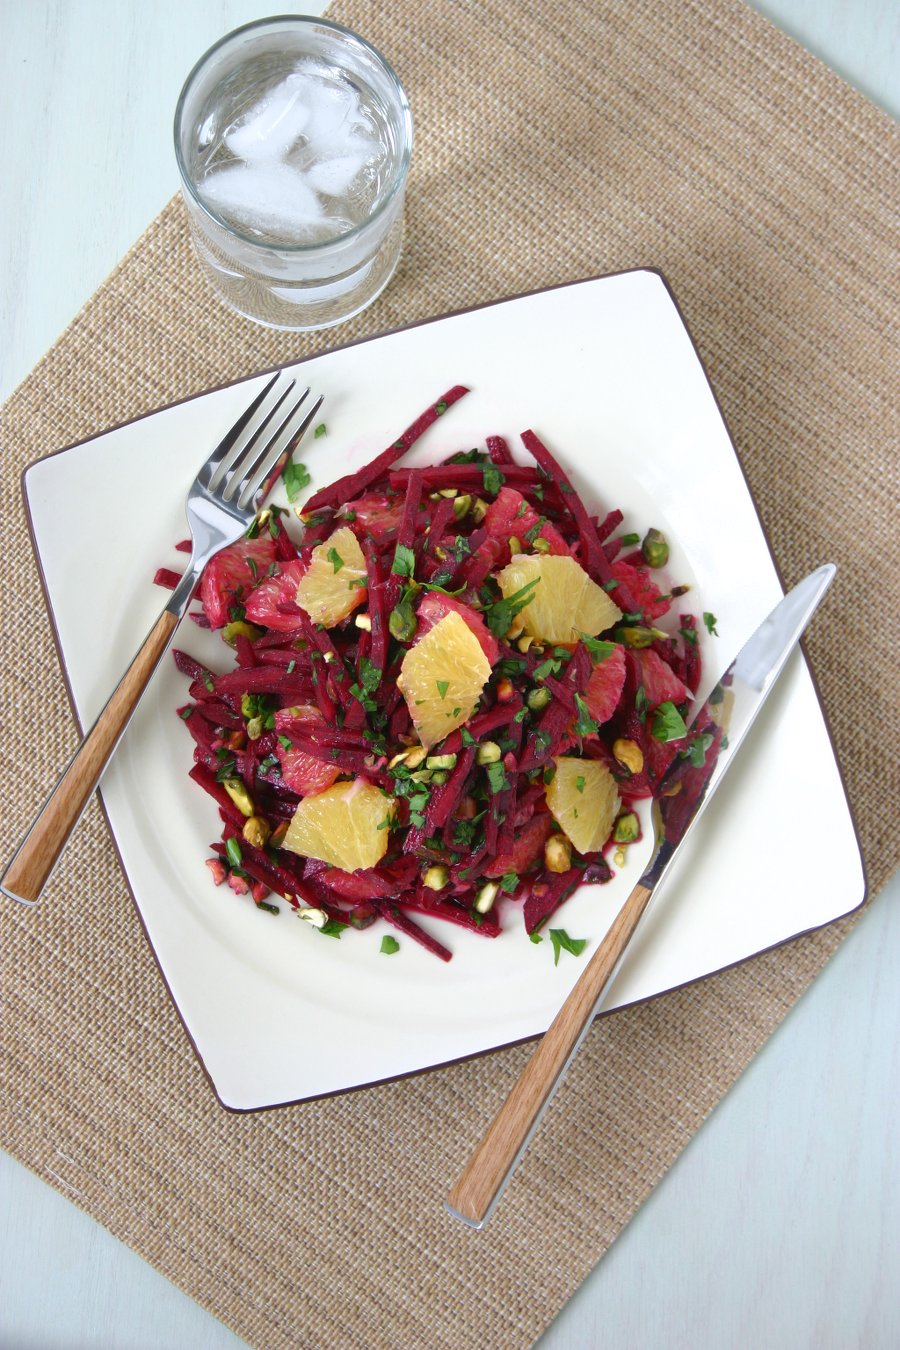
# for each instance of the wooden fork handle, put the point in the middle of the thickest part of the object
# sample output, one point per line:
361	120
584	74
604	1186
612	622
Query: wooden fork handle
484	1178
36	856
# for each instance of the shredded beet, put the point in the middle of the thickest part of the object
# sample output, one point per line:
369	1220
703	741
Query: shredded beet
305	707
354	484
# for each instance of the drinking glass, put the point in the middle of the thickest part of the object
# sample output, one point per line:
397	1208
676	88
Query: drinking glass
293	138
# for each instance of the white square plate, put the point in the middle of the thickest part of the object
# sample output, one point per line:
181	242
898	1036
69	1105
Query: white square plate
606	373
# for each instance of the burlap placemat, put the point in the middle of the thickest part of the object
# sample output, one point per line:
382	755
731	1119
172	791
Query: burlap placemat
689	136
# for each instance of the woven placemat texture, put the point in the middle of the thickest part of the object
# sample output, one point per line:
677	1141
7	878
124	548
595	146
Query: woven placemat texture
686	135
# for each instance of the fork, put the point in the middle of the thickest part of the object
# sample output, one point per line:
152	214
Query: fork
221	503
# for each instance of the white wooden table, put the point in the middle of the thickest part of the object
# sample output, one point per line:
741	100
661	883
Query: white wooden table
779	1227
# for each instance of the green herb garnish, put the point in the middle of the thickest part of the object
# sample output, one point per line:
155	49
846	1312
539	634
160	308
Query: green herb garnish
698	748
332	928
389	945
585	724
597	649
548	667
668	723
500	615
369	674
563	943
296	478
404	561
493	479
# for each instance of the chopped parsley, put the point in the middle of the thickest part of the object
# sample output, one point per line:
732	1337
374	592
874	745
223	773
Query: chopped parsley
493	479
296	478
362	697
332	928
404	561
710	621
548	667
585	724
501	613
389	945
563	943
697	750
597	649
369	674
464	832
335	559
668	723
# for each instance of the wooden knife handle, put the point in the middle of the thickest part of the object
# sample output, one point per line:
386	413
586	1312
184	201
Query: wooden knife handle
36	856
484	1178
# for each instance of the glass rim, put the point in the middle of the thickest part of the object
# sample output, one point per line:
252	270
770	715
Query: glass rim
298	21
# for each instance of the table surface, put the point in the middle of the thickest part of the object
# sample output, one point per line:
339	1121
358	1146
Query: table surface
779	1226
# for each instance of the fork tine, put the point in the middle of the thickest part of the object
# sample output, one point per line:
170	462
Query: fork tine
261	439
245	431
287	435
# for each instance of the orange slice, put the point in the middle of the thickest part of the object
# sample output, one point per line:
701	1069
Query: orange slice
330	587
584	799
346	826
442	677
564	603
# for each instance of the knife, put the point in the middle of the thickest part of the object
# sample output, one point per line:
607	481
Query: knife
713	737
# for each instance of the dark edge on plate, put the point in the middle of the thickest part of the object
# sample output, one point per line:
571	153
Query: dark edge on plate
429	1068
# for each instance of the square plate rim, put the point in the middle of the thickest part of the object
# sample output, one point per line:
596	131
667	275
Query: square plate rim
330	350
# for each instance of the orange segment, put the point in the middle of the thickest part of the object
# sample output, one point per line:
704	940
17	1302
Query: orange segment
565	602
346	826
329	588
442	677
584	799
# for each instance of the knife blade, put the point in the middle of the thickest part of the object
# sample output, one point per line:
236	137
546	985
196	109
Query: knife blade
712	739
